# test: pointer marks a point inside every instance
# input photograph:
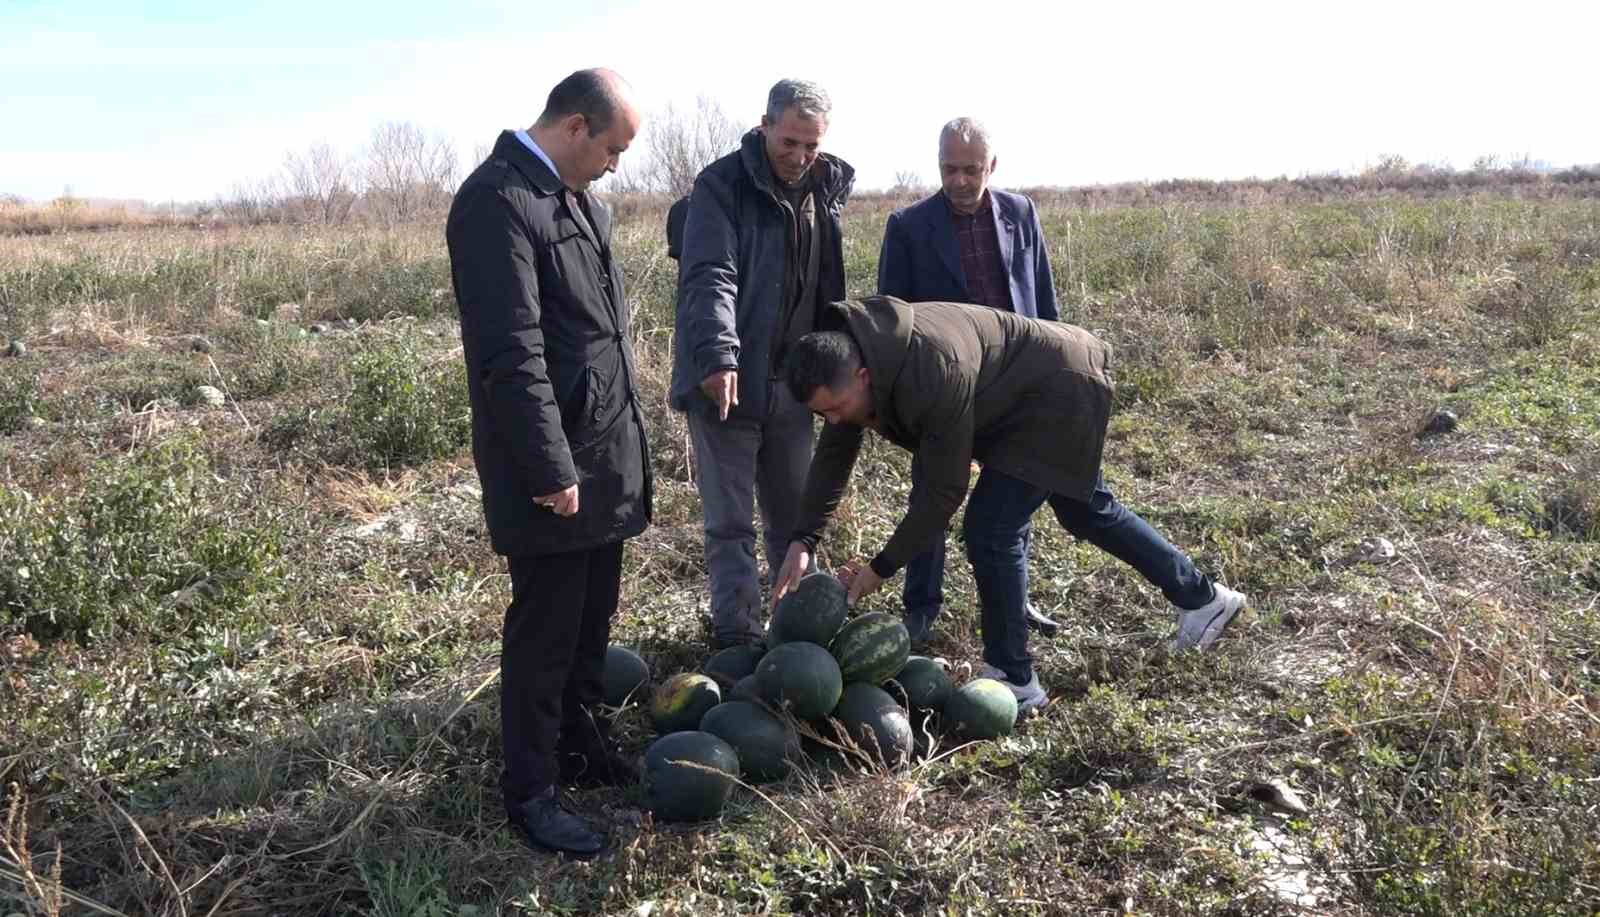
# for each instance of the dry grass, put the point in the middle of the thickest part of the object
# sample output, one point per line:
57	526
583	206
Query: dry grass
321	736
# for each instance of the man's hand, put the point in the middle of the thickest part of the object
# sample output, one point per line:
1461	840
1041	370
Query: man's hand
859	580
723	388
562	502
795	565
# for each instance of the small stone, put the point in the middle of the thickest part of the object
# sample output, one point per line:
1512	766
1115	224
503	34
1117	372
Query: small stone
319	328
1376	550
263	323
37	423
350	323
199	344
210	395
1280	796
17	349
1442	421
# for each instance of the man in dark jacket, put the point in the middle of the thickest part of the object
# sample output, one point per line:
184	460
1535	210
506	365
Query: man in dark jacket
557	433
762	248
967	243
1027	399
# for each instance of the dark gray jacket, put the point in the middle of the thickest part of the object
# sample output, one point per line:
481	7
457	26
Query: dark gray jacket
733	295
544	327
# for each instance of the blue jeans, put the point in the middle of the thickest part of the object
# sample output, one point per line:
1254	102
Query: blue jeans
996	531
923	592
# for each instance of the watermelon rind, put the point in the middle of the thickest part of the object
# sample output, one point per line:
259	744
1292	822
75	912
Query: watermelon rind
981	709
876	723
680	702
688	776
872	648
811	612
624	674
765	744
800	677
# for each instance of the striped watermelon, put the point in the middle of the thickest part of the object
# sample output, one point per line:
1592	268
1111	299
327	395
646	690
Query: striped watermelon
872	648
812	612
981	709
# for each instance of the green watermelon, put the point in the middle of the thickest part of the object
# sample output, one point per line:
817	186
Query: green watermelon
678	791
624	674
764	743
681	701
812	612
924	683
800	676
872	648
981	709
875	723
747	688
729	665
826	761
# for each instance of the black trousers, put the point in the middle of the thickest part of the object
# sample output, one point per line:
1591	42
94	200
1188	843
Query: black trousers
552	659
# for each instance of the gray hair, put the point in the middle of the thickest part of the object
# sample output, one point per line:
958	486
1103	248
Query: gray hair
807	99
967	130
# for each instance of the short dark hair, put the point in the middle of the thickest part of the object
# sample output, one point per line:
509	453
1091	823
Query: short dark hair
591	93
821	359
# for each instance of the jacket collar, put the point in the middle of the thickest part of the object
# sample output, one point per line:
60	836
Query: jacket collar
834	176
512	150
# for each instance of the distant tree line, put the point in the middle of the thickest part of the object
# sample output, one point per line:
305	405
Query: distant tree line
403	173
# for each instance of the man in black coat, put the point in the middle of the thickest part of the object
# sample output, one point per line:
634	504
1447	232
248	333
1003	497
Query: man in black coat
557	434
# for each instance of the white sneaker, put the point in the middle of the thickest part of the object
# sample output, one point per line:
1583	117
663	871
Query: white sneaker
1028	696
1199	628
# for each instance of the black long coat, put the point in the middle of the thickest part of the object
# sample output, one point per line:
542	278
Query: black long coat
544	327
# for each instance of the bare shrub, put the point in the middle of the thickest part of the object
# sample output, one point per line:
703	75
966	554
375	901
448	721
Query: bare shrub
409	172
908	183
677	145
319	183
252	202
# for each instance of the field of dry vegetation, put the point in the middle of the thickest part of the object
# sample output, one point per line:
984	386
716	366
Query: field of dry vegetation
248	636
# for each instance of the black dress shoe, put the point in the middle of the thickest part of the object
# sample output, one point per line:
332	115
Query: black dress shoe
547	826
1037	621
597	765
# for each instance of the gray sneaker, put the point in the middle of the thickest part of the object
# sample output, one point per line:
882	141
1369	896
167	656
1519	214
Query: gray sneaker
1200	627
1028	696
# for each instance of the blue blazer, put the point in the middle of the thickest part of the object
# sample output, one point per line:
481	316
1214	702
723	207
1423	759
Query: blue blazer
921	259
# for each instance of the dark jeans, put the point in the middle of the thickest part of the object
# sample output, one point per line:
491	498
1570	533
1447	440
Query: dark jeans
996	531
552	660
923	593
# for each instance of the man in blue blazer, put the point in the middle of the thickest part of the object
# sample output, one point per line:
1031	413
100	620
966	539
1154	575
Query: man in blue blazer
967	243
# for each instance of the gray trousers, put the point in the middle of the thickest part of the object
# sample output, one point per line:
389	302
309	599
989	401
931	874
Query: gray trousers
739	459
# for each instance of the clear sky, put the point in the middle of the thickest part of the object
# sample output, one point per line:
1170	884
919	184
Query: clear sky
180	99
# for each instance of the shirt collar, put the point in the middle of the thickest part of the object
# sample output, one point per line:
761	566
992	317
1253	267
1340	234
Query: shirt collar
528	141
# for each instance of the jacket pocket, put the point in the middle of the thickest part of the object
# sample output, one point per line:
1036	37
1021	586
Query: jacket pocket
601	402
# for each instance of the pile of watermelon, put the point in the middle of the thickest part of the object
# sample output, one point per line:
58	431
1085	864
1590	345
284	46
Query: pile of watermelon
843	694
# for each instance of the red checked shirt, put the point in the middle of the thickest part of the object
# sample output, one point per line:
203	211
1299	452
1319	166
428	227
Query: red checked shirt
987	284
